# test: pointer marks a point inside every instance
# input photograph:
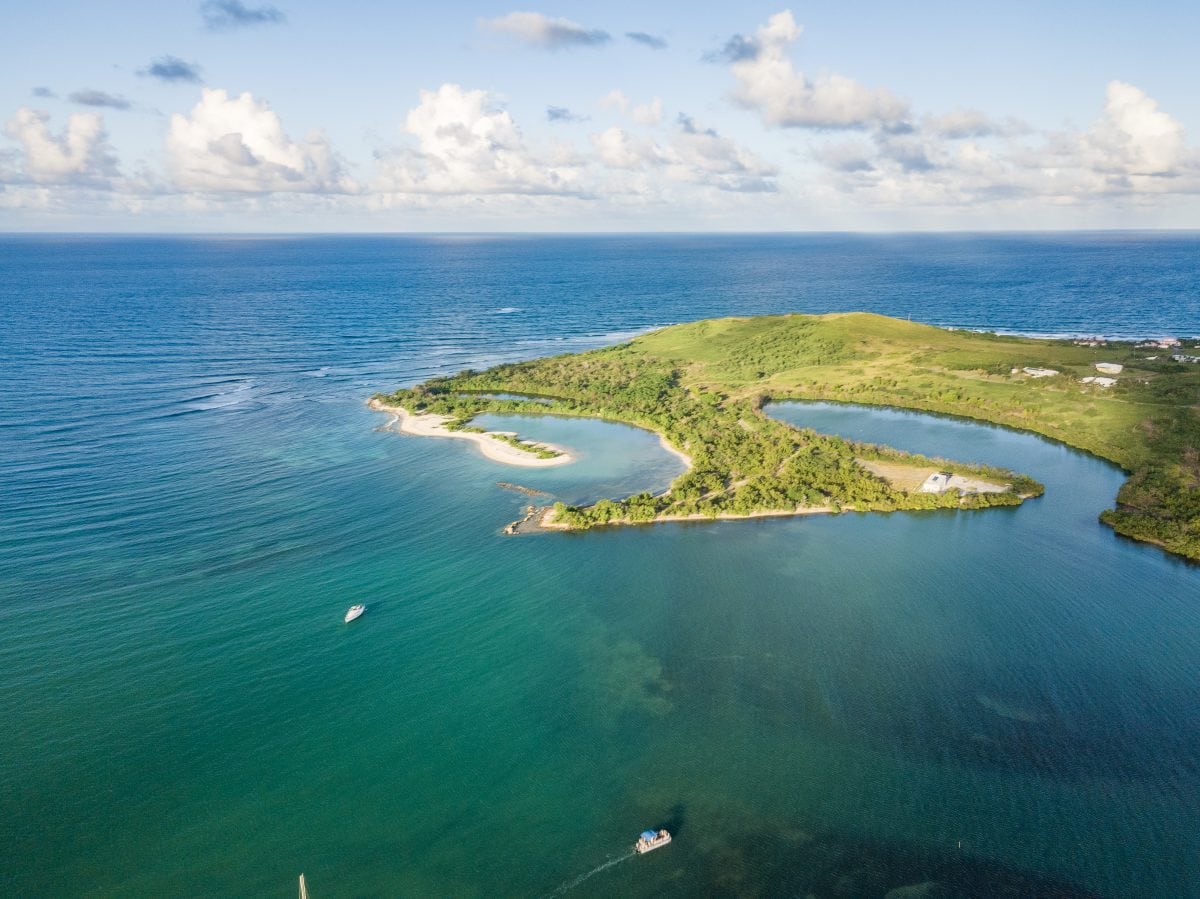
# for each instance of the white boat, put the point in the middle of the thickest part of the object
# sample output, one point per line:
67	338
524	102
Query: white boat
651	840
354	612
303	888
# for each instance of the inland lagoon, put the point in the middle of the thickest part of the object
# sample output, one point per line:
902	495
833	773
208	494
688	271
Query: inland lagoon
195	491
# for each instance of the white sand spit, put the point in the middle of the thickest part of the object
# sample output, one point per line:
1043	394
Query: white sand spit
492	447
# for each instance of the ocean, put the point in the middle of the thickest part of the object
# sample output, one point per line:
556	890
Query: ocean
193	492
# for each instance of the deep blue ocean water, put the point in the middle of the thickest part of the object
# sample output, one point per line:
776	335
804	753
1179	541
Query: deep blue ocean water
193	492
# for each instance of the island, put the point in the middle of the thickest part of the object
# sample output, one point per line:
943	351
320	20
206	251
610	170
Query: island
702	386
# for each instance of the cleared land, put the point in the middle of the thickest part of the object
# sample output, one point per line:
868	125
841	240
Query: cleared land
702	386
902	477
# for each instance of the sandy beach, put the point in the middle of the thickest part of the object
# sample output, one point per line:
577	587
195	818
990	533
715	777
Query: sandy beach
493	448
675	451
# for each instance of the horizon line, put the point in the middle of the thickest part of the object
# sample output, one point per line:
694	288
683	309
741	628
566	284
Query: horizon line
600	233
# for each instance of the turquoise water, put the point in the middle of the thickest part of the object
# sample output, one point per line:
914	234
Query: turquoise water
194	492
611	459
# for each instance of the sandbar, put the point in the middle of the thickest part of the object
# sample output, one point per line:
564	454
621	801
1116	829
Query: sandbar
493	448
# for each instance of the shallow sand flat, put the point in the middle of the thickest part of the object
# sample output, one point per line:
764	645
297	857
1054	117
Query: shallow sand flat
492	448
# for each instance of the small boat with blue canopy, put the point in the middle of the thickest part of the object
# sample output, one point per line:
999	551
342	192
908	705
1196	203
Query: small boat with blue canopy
651	840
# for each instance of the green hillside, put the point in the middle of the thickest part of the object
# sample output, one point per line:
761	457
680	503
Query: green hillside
702	386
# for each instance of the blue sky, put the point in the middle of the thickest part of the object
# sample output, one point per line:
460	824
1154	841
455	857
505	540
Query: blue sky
236	115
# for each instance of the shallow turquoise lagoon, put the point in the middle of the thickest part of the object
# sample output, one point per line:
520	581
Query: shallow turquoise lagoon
611	460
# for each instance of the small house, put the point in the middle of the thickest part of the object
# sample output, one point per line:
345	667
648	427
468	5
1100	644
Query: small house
938	482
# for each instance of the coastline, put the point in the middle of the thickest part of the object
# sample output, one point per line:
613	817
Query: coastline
545	521
491	447
675	451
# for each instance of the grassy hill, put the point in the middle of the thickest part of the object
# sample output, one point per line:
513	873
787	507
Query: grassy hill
702	386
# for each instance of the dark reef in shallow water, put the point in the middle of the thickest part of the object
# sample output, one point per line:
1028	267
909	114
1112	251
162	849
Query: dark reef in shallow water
778	862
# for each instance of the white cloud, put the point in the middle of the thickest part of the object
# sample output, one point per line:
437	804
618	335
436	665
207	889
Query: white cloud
769	83
542	31
80	155
700	155
1134	137
618	149
614	99
466	145
690	155
237	144
464	159
846	156
650	114
1132	153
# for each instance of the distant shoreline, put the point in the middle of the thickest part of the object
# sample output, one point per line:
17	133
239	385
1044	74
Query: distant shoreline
488	442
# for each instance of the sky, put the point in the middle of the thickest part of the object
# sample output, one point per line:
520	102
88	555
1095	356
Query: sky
241	115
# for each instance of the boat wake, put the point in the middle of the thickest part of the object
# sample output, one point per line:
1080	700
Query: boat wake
571	884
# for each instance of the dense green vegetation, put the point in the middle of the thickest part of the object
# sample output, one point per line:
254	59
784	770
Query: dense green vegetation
743	461
1147	423
542	452
702	386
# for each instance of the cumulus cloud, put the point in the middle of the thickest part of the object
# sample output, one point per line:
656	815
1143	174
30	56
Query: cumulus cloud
1134	137
770	84
172	69
1134	151
228	15
463	152
79	156
45	93
643	113
238	145
618	149
648	113
89	97
467	144
909	152
653	41
614	99
690	155
846	156
701	155
538	30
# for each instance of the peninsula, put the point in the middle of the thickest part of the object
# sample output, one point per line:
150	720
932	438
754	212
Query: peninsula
702	386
